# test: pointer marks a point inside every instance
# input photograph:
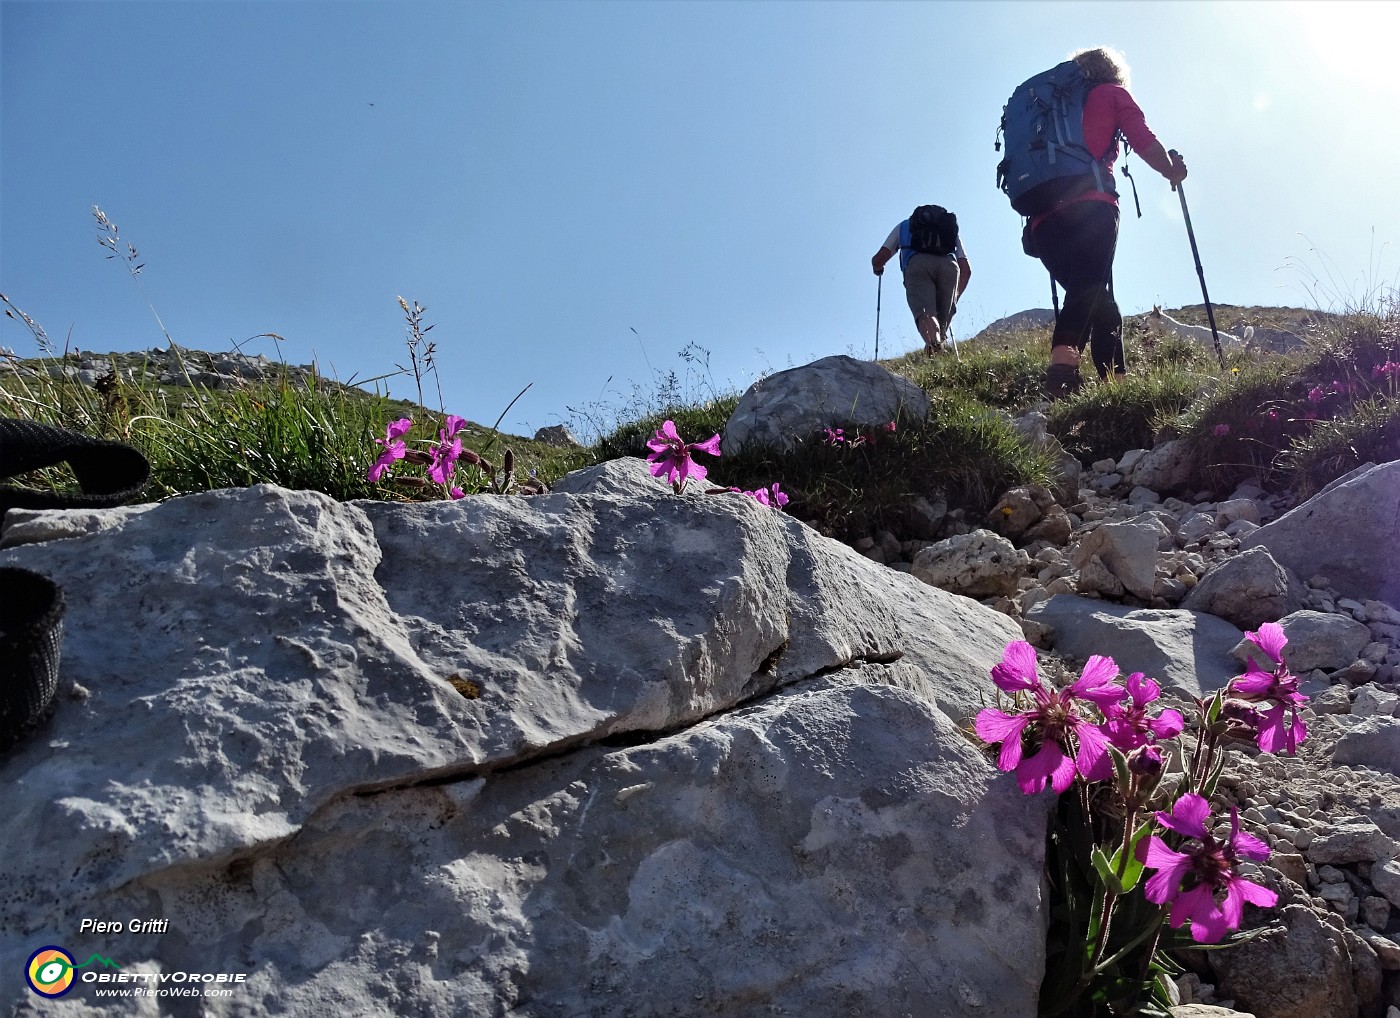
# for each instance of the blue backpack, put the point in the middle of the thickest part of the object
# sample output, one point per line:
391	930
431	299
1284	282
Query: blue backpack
1046	159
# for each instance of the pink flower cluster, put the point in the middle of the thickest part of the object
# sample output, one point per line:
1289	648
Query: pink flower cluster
838	436
770	496
1056	738
1200	881
440	458
1277	728
670	456
1387	370
1069	740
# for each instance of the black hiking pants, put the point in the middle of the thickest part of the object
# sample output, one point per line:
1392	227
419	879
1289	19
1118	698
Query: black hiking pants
1077	245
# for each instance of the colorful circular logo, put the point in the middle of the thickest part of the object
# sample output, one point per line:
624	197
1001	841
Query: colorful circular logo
50	972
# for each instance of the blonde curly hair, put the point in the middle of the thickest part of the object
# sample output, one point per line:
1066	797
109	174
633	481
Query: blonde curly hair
1102	64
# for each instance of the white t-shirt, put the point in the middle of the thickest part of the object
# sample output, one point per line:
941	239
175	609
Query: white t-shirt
892	243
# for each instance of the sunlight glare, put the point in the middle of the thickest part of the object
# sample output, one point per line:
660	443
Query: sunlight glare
1353	38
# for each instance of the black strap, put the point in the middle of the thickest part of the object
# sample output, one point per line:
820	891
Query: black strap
109	473
31	636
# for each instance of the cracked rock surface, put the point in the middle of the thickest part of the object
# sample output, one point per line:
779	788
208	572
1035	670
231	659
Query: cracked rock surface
578	754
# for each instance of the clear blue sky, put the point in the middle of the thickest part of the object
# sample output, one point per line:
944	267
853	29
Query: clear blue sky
548	177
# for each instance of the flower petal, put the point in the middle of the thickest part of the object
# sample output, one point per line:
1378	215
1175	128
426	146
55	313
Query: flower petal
710	445
993	726
1243	842
1188	816
1171	867
1142	689
1032	774
1253	684
1270	640
1017	668
1092	760
1168	724
1095	683
1208	923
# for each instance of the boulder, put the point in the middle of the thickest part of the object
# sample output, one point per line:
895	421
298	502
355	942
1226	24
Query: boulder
979	564
785	408
562	753
1372	742
557	435
626	476
1315	640
1055	526
1166	468
1352	840
1187	652
1263	975
1346	532
1019	509
1246	590
1128	550
1032	429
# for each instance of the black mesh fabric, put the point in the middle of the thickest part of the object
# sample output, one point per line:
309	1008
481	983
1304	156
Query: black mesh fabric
31	635
109	473
31	606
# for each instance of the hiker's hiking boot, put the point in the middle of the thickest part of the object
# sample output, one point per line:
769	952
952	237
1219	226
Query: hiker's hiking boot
1061	380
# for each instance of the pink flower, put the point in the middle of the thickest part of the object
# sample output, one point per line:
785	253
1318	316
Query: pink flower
448	450
833	436
670	456
1279	728
1315	394
394	448
770	497
1220	430
1273	415
1191	879
1054	719
890	427
1126	722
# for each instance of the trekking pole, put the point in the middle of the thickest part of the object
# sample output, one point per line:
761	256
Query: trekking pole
1196	254
879	285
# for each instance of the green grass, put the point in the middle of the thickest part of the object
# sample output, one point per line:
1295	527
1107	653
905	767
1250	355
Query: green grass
964	451
1300	419
312	434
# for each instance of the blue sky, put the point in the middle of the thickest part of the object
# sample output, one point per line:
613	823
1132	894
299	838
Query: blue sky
578	191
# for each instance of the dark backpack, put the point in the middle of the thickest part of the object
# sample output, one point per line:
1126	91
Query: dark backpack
1046	159
933	230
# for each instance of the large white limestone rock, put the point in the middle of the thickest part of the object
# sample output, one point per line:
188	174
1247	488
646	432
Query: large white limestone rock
571	754
790	406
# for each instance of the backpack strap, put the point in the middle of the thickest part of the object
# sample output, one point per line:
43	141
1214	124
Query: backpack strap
31	638
109	473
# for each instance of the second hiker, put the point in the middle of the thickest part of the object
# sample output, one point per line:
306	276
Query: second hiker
935	269
1062	129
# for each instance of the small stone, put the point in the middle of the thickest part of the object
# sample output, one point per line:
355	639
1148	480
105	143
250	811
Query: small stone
1332	700
1375	911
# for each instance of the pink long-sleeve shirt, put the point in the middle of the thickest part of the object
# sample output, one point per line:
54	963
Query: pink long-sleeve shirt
1108	109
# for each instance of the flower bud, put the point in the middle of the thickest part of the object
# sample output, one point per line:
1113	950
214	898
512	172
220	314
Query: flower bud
1145	760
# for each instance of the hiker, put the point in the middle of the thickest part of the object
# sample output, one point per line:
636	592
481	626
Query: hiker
1073	220
935	267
